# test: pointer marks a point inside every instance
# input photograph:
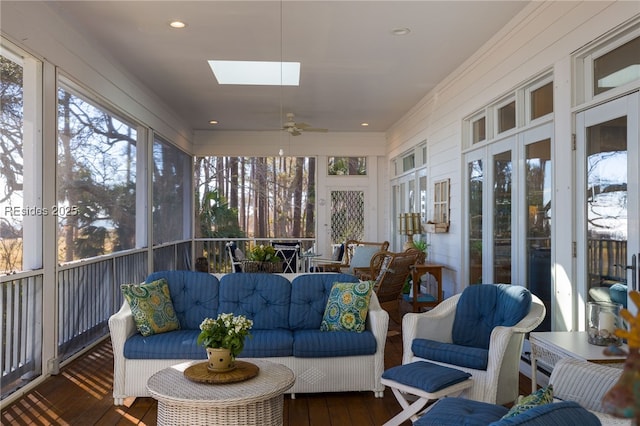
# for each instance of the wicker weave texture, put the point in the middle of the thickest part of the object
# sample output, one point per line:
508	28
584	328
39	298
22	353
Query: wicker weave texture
269	412
257	401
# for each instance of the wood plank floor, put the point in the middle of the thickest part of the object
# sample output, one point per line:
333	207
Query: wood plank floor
81	395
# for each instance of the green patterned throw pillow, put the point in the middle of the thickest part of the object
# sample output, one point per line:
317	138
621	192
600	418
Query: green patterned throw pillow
151	307
540	397
347	307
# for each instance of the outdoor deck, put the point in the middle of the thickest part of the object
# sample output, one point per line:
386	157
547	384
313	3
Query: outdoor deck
81	395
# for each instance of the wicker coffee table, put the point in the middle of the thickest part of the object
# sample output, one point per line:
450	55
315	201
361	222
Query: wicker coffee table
257	401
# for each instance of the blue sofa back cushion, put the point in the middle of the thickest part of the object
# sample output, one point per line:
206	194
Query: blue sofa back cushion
178	344
483	307
194	295
463	356
268	343
263	298
309	295
565	413
320	344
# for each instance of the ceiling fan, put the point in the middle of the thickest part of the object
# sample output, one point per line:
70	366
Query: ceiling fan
296	129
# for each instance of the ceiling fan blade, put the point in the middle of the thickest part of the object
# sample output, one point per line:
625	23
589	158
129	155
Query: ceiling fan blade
302	126
315	129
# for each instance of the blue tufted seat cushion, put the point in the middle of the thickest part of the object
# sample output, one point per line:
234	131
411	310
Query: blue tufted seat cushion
319	344
268	343
565	413
178	344
309	295
461	412
194	295
480	309
263	298
464	356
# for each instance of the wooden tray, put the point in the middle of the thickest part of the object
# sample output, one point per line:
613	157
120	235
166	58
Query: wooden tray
201	374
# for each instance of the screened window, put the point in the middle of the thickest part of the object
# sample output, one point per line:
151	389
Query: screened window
256	197
617	67
11	165
171	193
347	166
96	179
542	101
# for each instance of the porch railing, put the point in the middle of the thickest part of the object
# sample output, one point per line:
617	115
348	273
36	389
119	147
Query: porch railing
88	294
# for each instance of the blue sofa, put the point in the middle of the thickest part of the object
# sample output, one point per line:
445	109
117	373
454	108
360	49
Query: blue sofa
286	309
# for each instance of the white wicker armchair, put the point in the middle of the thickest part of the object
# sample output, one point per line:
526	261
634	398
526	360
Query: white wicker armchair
499	382
586	383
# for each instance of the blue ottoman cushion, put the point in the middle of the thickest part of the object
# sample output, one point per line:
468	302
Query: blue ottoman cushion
464	356
425	375
461	412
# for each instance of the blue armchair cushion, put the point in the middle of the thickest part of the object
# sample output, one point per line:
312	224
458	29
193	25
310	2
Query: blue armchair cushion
483	307
464	356
194	295
465	412
618	294
309	295
263	298
319	344
461	412
425	375
565	413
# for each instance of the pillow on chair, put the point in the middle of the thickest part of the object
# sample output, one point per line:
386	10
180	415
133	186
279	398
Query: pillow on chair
362	257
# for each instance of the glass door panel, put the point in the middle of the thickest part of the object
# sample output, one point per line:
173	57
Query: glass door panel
476	182
608	160
538	223
606	203
502	214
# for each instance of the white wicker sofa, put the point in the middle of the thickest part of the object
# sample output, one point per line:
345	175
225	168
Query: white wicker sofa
328	361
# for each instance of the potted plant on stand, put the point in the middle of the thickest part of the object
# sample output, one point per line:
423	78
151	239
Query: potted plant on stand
223	338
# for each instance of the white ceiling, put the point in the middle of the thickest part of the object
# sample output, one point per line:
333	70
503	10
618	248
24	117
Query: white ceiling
353	69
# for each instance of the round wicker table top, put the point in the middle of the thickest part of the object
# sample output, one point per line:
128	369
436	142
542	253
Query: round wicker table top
171	385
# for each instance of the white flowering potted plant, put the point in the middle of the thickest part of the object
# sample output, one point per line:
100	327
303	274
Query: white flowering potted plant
223	338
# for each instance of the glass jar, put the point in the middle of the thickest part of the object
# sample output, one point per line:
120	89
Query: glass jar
603	319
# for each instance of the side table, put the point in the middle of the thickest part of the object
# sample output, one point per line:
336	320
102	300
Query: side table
553	345
257	401
418	300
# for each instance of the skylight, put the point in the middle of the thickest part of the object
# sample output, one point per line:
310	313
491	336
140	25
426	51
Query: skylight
256	72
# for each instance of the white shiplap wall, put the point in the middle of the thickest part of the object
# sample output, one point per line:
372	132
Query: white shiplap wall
541	38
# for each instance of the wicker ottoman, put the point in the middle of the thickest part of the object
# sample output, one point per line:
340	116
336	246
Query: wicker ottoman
257	401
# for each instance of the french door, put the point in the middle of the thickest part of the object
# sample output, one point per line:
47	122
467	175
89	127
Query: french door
607	198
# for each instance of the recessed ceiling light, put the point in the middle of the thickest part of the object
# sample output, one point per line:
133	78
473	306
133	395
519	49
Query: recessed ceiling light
364	124
213	121
177	24
400	31
260	73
